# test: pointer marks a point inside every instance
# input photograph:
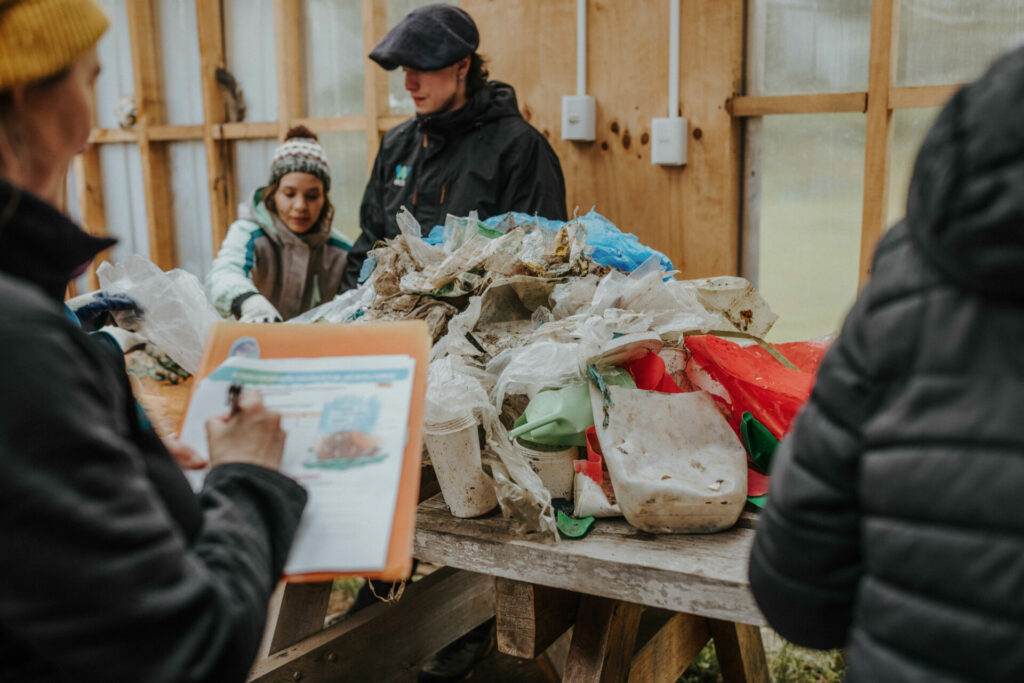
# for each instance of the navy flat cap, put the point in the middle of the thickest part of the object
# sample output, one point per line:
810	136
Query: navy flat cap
428	38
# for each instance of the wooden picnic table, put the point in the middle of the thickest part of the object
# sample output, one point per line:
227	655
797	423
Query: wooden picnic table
641	606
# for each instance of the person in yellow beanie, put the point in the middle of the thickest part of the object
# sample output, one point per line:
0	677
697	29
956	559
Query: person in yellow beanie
114	570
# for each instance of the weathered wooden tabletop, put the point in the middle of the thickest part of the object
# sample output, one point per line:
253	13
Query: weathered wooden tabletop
701	574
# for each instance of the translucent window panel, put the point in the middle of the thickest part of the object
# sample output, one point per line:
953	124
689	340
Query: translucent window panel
249	54
346	153
910	126
124	201
398	99
115	55
953	41
809	223
252	167
808	46
190	197
179	41
333	69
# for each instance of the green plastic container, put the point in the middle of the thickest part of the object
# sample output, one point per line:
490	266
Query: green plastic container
561	417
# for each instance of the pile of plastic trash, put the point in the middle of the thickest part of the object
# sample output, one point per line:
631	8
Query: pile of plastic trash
561	371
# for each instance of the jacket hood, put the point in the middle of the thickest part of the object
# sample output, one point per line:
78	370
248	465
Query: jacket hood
40	244
965	207
495	100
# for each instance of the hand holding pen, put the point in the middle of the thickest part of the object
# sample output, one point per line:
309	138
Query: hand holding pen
250	433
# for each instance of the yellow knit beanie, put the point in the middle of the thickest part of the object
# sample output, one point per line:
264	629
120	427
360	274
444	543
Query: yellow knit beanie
38	38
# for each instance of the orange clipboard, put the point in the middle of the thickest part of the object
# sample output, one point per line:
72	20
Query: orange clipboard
407	338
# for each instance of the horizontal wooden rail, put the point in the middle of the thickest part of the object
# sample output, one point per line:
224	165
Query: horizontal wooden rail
334	123
799	104
921	96
899	98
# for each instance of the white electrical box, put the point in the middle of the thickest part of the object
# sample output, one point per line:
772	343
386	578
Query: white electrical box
668	141
579	117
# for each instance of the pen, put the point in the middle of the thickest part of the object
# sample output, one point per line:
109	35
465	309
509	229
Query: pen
234	391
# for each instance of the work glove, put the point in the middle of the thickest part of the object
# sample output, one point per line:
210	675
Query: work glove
95	310
256	309
126	339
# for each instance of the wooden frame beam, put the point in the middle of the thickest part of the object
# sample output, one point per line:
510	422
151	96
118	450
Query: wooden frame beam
288	43
799	104
922	96
878	136
219	159
375	82
149	102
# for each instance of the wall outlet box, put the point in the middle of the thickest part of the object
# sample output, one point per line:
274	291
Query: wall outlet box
579	117
668	141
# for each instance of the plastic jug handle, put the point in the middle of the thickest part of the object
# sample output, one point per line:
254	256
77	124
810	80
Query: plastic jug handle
528	426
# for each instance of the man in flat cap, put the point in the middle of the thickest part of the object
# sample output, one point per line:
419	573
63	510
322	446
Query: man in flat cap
468	147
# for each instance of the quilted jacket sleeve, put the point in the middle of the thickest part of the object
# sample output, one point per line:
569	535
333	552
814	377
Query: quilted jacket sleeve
229	277
806	559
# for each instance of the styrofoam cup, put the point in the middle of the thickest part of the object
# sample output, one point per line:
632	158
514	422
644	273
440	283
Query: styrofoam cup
555	467
455	454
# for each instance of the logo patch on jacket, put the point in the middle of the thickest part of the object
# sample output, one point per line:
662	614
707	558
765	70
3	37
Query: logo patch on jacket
401	174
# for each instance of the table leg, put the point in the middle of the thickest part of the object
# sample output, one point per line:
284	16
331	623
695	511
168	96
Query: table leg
296	610
602	641
740	652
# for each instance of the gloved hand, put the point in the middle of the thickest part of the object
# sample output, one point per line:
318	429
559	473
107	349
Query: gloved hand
166	369
126	339
97	309
256	309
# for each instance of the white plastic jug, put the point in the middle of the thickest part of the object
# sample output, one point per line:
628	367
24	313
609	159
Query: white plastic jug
675	464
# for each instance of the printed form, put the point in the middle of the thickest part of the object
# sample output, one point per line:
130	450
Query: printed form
346	422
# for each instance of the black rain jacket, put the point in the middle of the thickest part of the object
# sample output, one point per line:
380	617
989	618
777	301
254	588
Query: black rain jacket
483	156
895	524
113	569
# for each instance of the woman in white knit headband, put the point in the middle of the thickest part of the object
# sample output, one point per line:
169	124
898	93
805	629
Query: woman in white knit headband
281	257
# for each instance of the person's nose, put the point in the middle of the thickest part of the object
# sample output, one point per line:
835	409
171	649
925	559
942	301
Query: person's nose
411	82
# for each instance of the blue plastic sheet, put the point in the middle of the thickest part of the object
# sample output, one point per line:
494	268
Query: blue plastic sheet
611	246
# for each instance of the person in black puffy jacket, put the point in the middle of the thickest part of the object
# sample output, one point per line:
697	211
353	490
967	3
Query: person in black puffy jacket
894	526
467	149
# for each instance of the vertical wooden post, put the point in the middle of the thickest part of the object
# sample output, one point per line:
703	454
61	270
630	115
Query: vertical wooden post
219	167
375	80
603	640
151	111
288	43
740	652
878	143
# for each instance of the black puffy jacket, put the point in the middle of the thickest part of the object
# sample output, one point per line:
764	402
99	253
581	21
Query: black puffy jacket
894	525
483	156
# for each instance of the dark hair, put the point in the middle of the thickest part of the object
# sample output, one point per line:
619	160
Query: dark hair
476	77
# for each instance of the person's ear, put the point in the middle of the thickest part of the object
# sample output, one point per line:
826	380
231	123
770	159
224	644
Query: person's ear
462	68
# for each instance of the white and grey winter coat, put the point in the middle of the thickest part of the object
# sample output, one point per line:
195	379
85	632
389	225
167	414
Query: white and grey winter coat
261	255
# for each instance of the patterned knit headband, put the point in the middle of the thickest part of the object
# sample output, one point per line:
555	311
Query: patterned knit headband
301	152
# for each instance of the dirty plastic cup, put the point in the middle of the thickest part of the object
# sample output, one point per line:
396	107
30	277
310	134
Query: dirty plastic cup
554	465
455	454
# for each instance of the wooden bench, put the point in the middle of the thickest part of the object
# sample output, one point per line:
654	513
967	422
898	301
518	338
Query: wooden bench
641	606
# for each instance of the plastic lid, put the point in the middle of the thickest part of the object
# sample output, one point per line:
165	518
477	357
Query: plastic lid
626	348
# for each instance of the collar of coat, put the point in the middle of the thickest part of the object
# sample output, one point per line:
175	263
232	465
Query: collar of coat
494	101
40	244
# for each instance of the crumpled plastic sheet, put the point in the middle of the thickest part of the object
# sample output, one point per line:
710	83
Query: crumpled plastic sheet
343	308
606	244
177	313
454	385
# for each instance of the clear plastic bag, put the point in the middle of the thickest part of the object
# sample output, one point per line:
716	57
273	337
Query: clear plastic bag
177	313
